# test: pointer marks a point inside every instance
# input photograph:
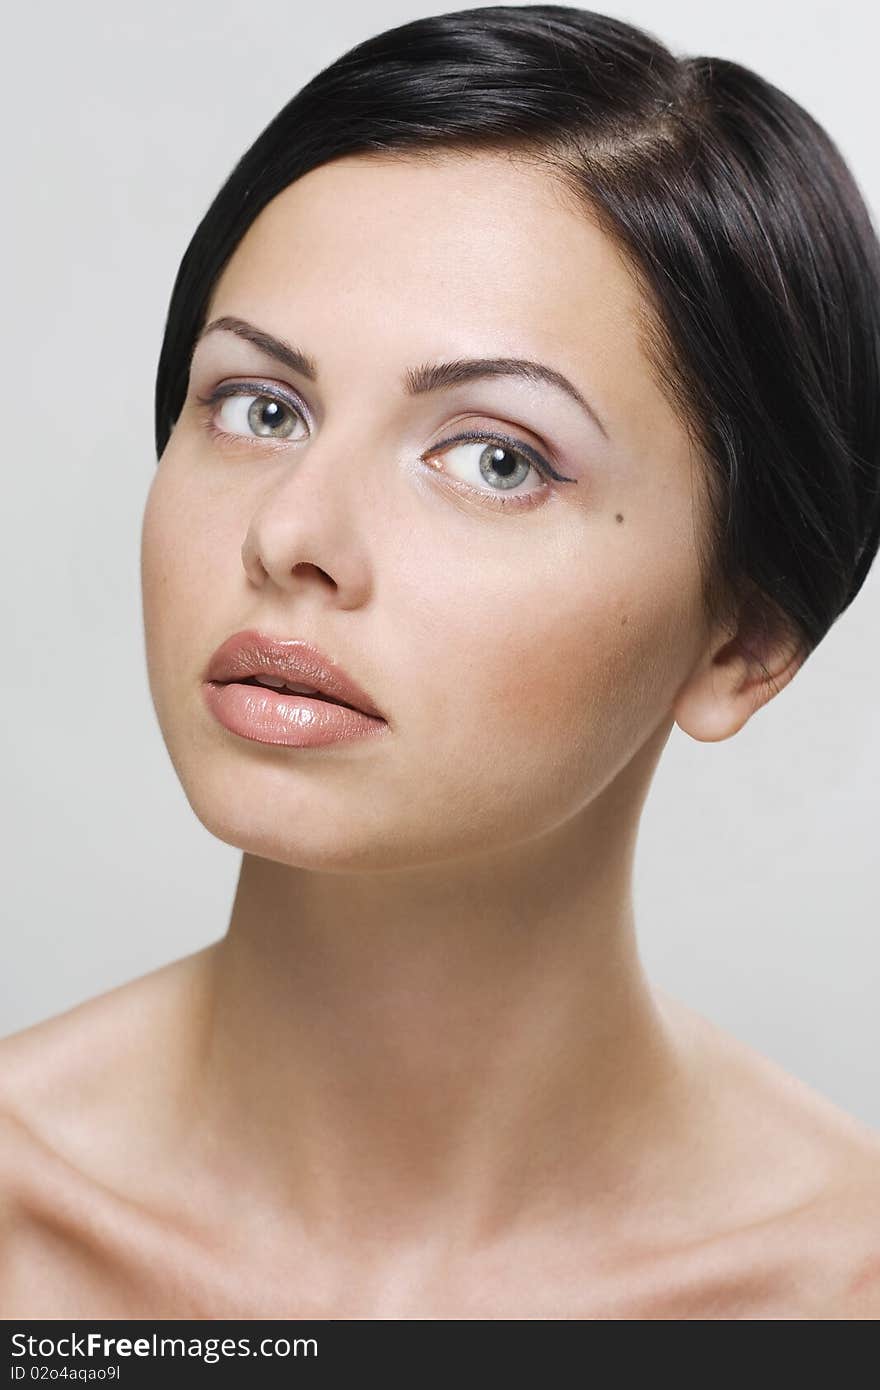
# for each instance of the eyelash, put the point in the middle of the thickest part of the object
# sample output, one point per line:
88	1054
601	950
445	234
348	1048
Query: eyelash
537	460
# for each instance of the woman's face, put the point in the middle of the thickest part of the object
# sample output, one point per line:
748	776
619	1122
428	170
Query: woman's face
525	637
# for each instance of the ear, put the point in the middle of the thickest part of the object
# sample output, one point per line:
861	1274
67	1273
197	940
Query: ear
736	675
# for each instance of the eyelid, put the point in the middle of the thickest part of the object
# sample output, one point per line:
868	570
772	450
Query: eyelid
492	436
488	435
255	388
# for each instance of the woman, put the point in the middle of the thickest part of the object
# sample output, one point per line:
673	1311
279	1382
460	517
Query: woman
517	401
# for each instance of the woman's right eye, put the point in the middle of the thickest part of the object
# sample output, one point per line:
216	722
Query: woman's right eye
248	414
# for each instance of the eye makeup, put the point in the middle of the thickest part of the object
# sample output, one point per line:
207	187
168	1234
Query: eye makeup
209	402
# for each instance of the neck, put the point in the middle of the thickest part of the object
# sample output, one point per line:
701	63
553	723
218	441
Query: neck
449	1047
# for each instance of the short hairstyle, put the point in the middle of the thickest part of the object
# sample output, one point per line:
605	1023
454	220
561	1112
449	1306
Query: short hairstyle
743	226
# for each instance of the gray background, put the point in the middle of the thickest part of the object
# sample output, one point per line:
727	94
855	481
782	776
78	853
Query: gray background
756	876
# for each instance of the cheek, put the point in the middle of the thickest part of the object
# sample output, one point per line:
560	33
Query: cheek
554	675
179	544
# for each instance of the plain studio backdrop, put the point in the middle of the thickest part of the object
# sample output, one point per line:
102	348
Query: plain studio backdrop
757	869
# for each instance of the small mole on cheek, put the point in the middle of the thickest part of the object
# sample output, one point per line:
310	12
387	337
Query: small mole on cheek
619	516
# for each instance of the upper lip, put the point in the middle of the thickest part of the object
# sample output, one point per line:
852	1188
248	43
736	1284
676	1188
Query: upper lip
252	653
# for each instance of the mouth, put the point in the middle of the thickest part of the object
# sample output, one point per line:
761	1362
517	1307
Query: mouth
287	666
288	688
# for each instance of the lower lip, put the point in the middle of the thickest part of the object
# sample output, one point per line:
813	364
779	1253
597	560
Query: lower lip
267	716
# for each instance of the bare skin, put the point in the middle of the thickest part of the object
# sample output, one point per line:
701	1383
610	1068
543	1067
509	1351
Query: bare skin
114	1209
423	1073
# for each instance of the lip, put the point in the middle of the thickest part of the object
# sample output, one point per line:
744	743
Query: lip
254	653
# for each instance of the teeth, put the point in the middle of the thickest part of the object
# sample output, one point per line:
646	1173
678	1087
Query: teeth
294	687
301	689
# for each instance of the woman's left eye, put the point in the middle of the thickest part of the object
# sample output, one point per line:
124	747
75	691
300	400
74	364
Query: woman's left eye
500	463
250	413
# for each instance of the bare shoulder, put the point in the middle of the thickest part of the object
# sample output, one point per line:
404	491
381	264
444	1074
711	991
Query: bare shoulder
853	1212
63	1078
76	1116
803	1182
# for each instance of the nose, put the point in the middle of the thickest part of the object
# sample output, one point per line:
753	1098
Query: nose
311	526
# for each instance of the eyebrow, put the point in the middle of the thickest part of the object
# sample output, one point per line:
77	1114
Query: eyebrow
417	381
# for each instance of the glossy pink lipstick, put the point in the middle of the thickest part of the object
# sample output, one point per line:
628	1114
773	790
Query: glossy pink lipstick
245	690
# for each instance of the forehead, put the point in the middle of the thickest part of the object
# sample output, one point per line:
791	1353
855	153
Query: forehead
456	255
476	233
